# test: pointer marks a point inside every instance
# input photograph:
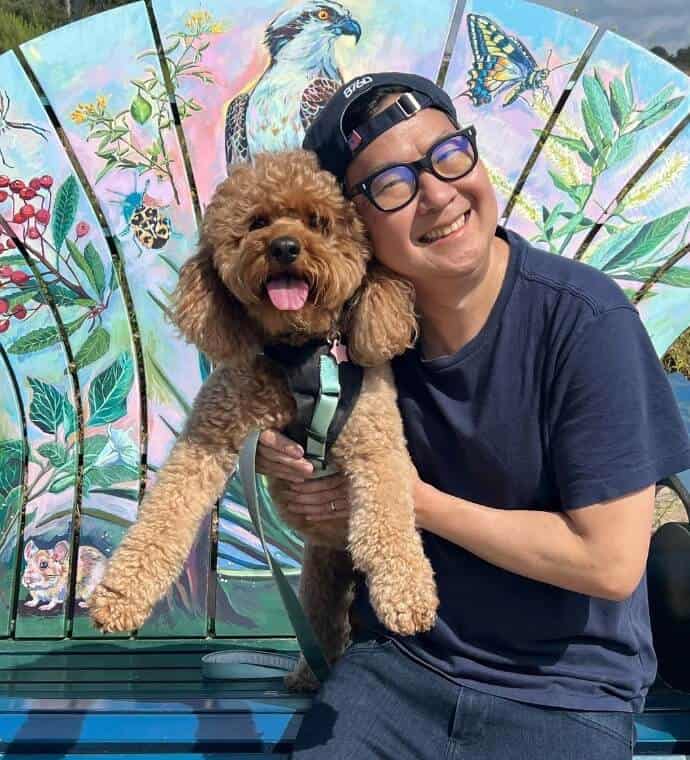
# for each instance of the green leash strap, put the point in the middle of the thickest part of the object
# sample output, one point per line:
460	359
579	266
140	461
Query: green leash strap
306	637
324	411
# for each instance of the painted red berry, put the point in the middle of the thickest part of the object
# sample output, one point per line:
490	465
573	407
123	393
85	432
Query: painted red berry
27	194
4	305
10	244
43	216
3	196
18	218
28	210
18	277
35	183
16	185
4	325
5	271
33	233
82	229
19	311
46	180
4	180
2	248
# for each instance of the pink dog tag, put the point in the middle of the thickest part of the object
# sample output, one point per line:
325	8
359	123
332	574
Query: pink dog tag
339	352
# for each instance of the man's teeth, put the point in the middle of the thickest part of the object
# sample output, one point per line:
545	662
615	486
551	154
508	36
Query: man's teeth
440	232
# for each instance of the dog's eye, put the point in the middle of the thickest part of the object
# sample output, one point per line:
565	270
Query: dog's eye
257	222
320	223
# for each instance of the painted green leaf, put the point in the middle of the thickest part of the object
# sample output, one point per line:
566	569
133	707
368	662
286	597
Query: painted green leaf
600	256
11	504
591	126
55	453
649	237
93	445
65	210
60	295
629	84
677	276
622	149
62	482
43	337
621	105
93	348
109	390
69	416
141	109
26	294
110	164
109	475
598	103
578	193
80	260
658	100
11	465
96	267
659	113
45	409
578	145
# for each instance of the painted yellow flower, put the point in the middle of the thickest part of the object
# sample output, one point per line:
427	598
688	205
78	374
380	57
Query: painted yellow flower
101	101
217	29
664	177
78	116
567	162
197	20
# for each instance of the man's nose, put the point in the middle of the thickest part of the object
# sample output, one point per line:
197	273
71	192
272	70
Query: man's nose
434	193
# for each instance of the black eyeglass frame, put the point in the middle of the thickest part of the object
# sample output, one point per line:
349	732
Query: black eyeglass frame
422	164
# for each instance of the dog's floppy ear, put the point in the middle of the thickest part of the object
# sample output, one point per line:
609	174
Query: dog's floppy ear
208	315
382	321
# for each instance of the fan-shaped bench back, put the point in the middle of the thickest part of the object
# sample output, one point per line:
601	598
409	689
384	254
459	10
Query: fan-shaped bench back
98	215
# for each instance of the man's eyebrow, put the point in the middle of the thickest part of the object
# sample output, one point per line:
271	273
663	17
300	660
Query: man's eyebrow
387	164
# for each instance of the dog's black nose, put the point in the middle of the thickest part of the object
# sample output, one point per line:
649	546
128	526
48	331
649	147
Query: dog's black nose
285	249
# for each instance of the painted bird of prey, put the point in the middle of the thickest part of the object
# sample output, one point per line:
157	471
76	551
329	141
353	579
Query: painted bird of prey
300	78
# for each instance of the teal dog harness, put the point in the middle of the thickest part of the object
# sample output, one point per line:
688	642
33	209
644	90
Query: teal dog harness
325	386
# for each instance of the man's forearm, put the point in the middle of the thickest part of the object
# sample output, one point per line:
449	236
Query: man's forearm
539	545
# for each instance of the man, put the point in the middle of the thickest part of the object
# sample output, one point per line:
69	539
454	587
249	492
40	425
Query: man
539	419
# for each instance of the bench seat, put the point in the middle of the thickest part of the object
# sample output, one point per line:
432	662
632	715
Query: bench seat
125	699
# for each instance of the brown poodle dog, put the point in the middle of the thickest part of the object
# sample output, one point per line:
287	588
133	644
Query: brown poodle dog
239	292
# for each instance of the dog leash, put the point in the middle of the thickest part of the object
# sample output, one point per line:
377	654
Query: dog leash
256	664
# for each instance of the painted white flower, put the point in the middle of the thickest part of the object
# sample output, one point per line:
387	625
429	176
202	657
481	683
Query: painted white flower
120	450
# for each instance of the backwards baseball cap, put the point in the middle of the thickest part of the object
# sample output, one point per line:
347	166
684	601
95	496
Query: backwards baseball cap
335	149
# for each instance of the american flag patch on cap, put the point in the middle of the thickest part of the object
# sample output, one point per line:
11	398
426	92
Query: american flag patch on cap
354	140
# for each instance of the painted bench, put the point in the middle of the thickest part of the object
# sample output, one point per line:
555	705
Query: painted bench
114	132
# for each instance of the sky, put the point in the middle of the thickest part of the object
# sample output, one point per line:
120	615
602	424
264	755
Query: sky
647	22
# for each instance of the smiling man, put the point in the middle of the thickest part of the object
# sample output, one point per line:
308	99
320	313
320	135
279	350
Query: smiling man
539	419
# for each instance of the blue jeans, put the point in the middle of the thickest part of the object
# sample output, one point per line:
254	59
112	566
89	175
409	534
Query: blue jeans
379	704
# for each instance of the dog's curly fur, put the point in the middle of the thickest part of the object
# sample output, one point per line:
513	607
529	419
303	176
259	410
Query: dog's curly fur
221	305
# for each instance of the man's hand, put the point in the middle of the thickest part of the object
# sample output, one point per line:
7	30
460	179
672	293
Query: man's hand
319	502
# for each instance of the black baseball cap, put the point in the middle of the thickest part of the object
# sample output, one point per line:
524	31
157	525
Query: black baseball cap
335	149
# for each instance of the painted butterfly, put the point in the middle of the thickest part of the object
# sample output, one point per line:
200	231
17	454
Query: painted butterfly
501	64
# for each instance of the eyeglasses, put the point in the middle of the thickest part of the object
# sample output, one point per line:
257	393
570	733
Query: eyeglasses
394	186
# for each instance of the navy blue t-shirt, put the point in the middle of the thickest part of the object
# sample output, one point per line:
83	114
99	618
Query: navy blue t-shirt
559	402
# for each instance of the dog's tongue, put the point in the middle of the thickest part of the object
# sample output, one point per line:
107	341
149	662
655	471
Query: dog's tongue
287	293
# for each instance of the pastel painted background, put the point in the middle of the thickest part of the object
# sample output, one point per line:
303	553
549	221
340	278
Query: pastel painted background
534	52
96	221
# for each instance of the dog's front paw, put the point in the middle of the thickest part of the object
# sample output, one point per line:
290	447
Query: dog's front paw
112	611
302	678
406	604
